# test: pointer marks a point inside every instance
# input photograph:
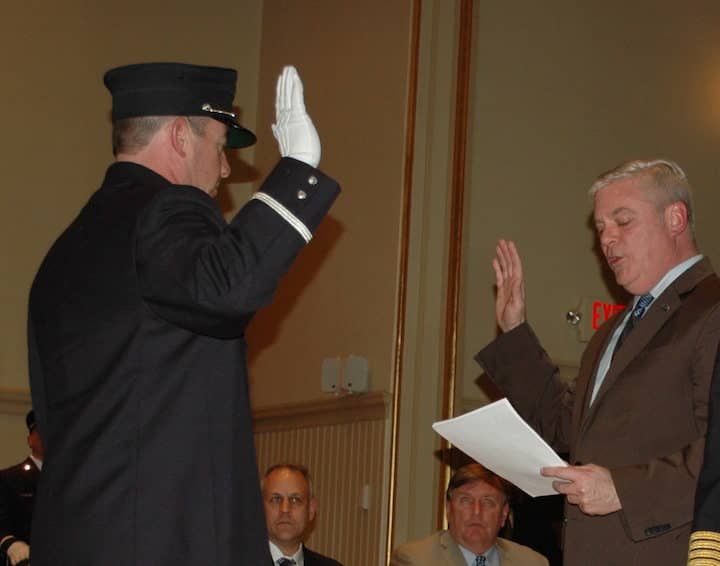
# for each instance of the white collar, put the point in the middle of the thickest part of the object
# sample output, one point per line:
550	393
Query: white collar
277	554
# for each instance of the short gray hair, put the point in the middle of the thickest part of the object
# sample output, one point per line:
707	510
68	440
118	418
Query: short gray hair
130	135
297	468
665	179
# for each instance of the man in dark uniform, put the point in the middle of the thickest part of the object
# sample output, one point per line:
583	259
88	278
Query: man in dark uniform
17	495
705	536
137	322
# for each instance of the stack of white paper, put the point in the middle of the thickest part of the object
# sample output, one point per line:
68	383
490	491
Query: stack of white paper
499	439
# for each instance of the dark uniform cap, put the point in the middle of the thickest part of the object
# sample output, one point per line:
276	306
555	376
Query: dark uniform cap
30	420
177	89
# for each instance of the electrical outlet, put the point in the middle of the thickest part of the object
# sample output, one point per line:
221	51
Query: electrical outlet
330	375
355	376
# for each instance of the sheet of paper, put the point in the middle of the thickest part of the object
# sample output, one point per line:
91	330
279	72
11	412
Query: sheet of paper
499	439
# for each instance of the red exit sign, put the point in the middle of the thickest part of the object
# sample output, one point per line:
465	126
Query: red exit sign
603	311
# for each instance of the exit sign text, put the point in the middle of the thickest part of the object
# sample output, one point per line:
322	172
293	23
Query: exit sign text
603	311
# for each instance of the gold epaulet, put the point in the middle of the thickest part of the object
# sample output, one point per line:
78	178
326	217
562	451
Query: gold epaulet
704	549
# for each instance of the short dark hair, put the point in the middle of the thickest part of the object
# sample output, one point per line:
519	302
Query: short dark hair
298	468
475	472
130	135
30	421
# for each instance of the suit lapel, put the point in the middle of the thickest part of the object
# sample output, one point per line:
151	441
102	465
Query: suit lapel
506	557
586	378
452	556
661	310
586	381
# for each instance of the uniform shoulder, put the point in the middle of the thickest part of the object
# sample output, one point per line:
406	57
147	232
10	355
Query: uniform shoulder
16	470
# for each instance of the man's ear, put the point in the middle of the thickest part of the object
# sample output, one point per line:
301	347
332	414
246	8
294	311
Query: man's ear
505	513
312	508
676	218
179	132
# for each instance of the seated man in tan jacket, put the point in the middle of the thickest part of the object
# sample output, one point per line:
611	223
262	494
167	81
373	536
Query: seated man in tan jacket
477	507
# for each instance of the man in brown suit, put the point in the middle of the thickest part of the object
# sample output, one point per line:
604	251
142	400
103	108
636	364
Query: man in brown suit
477	507
634	421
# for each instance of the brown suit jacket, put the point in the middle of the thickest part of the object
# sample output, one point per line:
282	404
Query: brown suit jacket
440	549
647	424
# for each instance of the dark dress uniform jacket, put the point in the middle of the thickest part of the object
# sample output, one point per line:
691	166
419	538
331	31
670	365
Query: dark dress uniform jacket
138	370
17	497
647	423
705	538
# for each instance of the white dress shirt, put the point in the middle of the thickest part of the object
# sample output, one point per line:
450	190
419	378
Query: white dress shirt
492	556
277	554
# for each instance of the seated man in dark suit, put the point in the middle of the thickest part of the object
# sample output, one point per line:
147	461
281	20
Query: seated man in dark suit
289	509
477	507
17	497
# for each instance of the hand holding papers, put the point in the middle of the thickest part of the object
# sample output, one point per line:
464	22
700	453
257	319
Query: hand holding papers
499	439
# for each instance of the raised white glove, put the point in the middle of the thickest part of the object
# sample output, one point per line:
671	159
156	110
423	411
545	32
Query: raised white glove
18	551
294	130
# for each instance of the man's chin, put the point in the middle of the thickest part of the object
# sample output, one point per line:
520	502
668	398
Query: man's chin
286	531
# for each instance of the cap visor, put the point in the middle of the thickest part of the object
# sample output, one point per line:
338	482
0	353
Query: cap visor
238	137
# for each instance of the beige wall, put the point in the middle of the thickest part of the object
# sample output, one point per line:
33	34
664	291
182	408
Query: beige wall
339	297
420	399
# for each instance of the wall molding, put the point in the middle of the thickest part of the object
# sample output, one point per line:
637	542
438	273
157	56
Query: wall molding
337	410
14	401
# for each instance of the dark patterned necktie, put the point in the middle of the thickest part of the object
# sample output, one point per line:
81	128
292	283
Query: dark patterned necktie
637	313
480	560
286	562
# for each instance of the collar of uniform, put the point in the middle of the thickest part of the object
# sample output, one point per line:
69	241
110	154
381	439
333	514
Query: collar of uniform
122	173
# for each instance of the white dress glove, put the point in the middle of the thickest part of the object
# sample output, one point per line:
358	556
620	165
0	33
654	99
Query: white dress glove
18	551
294	130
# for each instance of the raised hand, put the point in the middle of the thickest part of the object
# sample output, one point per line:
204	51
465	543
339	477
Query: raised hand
510	299
293	128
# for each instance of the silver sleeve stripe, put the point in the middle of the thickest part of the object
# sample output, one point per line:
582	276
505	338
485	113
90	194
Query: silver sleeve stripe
288	216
